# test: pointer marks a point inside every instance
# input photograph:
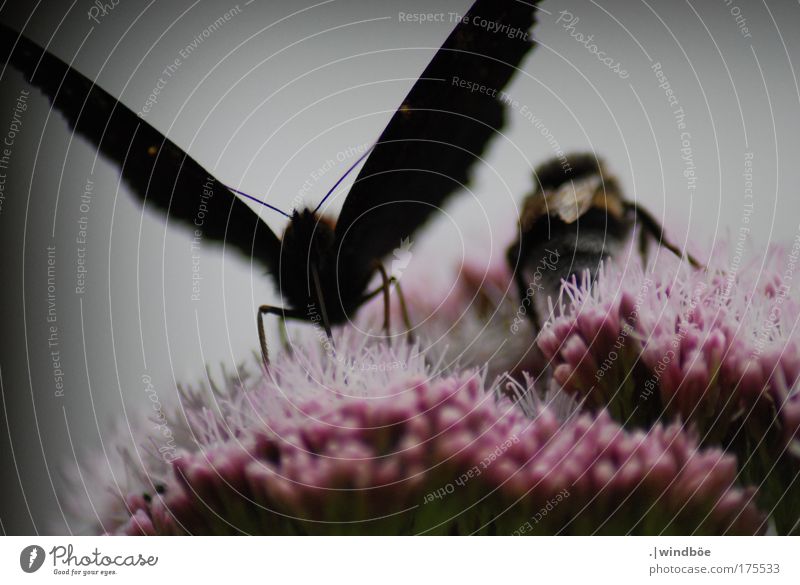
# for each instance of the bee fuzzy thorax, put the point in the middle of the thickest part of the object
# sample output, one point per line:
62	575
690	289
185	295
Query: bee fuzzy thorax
568	191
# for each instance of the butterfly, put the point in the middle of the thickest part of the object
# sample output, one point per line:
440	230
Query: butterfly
321	267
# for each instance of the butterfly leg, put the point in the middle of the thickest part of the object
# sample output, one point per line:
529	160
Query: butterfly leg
284	336
403	305
323	311
387	314
262	336
403	309
651	226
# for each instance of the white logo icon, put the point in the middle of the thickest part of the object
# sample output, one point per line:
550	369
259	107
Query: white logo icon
402	258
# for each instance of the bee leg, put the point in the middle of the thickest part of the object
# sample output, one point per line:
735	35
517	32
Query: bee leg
644	243
651	225
262	336
526	295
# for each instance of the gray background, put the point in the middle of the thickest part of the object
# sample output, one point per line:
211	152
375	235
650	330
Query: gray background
262	102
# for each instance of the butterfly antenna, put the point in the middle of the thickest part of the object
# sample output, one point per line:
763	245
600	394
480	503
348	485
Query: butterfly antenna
264	203
339	182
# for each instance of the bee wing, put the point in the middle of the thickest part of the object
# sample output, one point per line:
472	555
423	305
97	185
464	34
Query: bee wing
573	198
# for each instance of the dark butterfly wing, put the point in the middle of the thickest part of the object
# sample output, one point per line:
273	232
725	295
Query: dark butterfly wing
426	151
156	169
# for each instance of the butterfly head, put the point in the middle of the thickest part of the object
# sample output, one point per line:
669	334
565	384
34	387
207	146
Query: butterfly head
308	247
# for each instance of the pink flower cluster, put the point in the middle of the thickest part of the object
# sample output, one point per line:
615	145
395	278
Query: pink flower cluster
714	349
309	450
667	393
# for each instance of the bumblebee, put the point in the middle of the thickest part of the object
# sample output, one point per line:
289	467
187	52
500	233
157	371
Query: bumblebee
575	218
